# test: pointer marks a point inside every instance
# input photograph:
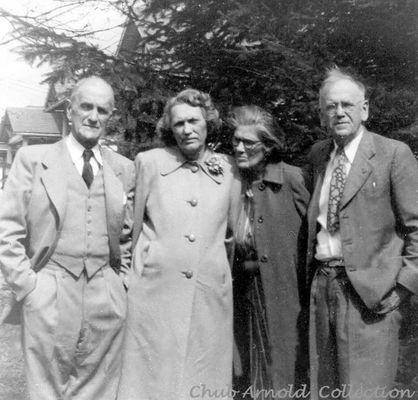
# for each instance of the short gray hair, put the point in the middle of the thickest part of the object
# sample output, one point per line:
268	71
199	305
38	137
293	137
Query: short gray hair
92	78
335	73
263	122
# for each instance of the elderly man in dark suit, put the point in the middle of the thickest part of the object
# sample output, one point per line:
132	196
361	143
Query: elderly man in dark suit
363	246
65	238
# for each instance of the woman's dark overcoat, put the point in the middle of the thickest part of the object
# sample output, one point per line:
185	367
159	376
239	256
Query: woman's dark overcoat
280	201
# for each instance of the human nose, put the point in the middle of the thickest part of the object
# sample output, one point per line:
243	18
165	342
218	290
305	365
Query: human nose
93	115
239	147
339	109
187	128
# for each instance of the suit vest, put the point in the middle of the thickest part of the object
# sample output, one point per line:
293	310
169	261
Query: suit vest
83	241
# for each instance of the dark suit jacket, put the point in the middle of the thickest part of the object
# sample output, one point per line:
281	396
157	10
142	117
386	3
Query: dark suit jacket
378	216
33	206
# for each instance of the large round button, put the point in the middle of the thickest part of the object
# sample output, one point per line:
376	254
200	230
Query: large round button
188	274
194	168
191	237
193	202
261	186
264	259
260	219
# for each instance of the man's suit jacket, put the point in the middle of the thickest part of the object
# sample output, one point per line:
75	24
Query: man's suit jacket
33	208
378	216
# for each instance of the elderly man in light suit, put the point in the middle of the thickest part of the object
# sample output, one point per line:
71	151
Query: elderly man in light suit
363	247
65	238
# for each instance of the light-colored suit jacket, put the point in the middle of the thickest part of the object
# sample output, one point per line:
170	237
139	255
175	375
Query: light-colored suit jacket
378	216
33	206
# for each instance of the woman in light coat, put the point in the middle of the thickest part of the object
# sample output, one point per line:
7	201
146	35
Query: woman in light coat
179	326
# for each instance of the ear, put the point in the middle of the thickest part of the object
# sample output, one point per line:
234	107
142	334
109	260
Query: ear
322	120
267	150
365	111
68	109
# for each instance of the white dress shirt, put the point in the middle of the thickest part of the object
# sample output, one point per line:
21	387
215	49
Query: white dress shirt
329	244
76	153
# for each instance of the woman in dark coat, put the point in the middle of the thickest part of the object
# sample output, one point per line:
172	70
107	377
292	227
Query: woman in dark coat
269	284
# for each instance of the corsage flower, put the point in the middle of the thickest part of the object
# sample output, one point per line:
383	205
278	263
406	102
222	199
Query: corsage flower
214	165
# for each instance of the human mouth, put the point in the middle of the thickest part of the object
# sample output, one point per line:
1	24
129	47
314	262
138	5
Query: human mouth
189	140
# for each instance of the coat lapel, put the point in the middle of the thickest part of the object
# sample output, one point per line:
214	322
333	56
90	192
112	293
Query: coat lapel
53	178
114	200
360	170
320	160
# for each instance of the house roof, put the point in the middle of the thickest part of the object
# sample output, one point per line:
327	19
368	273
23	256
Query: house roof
129	40
34	120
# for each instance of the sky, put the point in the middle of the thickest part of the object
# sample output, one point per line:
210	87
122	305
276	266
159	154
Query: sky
19	81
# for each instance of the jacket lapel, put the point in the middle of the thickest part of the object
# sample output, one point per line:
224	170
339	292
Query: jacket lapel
114	199
319	160
53	178
360	170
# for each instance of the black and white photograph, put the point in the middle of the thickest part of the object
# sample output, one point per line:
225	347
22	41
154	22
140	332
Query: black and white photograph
208	199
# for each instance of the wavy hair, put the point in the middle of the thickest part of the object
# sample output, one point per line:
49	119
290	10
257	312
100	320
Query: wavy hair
270	134
194	98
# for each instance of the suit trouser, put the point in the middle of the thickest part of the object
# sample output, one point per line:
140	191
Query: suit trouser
72	334
353	351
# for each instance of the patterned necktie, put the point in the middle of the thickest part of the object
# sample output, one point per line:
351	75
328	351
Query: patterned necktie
338	179
87	169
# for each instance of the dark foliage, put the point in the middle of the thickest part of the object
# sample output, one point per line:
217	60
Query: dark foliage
271	53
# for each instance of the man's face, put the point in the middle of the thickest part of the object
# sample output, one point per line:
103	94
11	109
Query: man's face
189	129
89	111
343	110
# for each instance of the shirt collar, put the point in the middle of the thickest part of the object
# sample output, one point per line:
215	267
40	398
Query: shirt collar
76	150
350	149
177	160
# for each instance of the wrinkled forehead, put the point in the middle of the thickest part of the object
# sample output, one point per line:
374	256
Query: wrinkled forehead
341	90
183	111
250	132
94	92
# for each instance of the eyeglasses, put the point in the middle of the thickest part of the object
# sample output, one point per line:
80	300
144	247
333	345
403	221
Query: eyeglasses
248	144
347	107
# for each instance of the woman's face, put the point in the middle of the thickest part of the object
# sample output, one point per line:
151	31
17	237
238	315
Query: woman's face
249	150
189	129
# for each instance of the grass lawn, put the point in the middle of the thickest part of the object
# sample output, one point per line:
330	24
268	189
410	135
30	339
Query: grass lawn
12	383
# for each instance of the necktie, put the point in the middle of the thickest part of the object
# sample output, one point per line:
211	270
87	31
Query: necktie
87	169
338	179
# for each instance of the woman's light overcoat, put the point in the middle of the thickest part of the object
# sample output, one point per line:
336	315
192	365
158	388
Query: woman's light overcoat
179	326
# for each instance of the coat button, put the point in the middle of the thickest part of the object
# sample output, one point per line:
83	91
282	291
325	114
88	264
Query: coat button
194	168
264	259
191	237
260	219
193	202
188	274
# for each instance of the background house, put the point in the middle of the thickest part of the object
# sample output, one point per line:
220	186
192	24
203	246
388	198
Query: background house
22	126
